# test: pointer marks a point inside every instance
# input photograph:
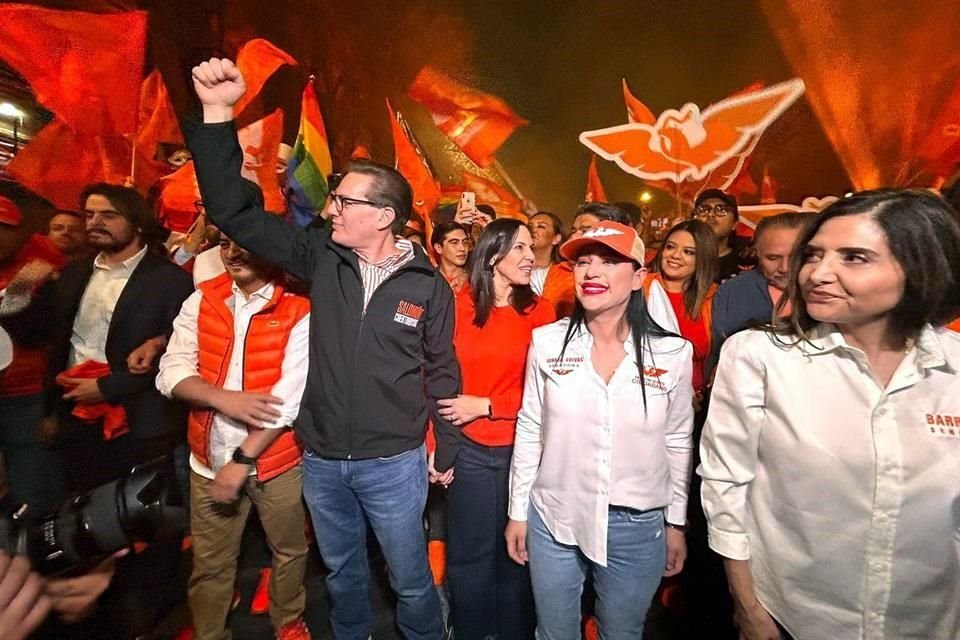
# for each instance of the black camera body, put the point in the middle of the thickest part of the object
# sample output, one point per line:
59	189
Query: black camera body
143	506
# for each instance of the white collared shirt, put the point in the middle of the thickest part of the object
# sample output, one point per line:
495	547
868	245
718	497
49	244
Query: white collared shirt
92	322
180	361
583	446
843	495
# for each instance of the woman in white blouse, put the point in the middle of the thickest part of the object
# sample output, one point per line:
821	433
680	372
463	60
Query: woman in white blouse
831	453
602	454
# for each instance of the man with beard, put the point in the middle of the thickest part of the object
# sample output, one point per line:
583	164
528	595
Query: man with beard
102	309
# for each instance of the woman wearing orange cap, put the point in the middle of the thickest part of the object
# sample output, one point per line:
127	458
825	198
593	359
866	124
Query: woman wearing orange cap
602	456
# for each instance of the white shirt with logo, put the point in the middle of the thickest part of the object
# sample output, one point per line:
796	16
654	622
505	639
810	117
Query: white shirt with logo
583	445
843	495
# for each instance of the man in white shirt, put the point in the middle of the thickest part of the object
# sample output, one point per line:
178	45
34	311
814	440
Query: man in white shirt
238	354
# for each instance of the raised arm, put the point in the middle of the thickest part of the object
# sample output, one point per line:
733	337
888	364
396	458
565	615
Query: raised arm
228	201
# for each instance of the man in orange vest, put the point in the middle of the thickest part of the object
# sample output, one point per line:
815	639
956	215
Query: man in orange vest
238	355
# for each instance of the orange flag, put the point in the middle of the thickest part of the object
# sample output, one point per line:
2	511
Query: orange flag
84	67
500	198
768	188
58	163
636	110
595	192
360	152
940	147
260	142
257	60
179	195
410	162
478	122
158	125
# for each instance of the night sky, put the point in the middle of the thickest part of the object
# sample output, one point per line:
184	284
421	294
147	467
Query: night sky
559	65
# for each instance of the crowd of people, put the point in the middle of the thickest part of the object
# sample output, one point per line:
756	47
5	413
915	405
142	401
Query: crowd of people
758	434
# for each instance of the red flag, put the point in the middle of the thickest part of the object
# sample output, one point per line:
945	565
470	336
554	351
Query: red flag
257	60
478	122
84	67
58	163
360	152
504	202
158	125
940	147
595	192
768	188
636	110
410	162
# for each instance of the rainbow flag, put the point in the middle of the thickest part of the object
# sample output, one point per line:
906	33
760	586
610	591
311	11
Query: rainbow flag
310	162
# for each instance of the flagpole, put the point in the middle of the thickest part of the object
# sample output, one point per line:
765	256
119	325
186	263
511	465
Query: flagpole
506	178
133	159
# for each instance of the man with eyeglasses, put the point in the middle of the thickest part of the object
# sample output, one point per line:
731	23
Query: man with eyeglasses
381	355
719	210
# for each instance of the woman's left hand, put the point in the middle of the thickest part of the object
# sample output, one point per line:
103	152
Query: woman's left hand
464	409
676	551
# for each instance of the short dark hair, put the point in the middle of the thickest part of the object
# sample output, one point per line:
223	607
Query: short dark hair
557	229
442	230
728	199
604	211
487	209
131	205
388	188
788	220
495	242
631	209
923	233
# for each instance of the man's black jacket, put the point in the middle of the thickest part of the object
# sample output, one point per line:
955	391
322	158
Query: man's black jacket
374	377
150	301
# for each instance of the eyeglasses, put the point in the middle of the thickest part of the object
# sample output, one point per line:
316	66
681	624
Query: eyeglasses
342	201
716	211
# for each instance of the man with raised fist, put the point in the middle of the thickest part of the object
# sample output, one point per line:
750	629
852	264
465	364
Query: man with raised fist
381	355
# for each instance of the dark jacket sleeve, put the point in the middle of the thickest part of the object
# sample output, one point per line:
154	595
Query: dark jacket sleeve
121	385
231	206
441	371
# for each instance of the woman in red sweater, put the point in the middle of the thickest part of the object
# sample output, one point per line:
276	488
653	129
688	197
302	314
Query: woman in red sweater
491	595
686	268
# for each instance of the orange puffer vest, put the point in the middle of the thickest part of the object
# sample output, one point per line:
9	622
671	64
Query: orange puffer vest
264	347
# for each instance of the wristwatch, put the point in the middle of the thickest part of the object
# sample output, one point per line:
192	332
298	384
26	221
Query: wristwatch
240	458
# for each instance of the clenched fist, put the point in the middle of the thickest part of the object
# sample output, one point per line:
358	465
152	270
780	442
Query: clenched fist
219	85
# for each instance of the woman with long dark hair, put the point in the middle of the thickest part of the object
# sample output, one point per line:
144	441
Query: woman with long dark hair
490	595
686	268
831	453
601	461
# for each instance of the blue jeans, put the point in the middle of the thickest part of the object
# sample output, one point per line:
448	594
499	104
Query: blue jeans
391	493
490	593
636	558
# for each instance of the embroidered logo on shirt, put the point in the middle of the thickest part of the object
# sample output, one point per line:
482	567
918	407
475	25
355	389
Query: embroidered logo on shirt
408	314
651	378
943	426
564	366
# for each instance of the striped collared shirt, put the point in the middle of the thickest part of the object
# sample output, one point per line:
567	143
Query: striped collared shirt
373	274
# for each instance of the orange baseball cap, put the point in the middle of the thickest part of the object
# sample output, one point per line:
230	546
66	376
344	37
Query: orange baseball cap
9	212
618	237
